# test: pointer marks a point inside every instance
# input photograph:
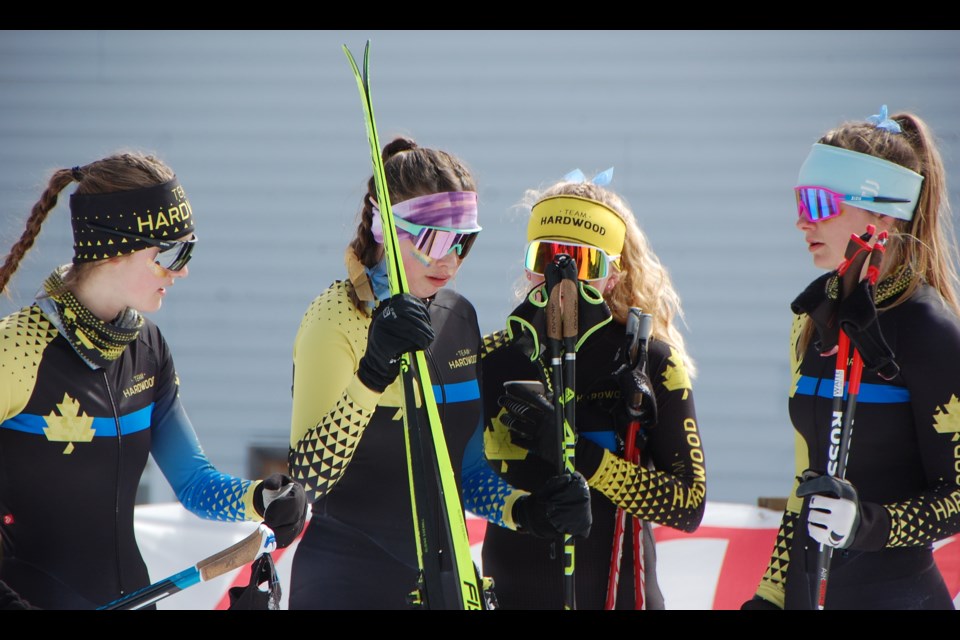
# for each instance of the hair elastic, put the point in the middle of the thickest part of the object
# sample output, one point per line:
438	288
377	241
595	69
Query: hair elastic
881	121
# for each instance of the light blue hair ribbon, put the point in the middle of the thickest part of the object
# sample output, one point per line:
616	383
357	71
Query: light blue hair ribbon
602	179
881	121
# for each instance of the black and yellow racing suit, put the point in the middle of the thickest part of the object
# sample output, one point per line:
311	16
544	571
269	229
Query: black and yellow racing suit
667	488
904	461
347	448
74	441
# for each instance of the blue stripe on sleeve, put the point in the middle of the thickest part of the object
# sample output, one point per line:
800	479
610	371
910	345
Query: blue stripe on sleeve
606	439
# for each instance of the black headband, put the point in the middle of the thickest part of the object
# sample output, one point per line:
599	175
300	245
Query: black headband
161	212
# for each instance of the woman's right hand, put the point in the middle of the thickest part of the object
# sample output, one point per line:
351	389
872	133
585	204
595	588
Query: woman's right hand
561	506
400	325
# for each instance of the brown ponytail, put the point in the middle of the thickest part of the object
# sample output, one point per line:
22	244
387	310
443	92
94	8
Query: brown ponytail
48	200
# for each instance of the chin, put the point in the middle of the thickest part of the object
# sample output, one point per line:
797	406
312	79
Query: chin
825	263
424	289
424	294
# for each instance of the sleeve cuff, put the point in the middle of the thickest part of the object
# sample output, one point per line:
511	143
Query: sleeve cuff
249	507
589	456
771	594
362	396
507	513
874	528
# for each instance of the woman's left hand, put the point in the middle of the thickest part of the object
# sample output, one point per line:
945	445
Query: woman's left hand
834	509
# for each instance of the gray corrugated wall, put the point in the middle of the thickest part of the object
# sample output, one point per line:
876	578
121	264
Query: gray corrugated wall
705	129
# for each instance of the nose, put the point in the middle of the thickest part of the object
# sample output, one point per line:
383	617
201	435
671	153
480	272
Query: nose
803	224
183	272
451	260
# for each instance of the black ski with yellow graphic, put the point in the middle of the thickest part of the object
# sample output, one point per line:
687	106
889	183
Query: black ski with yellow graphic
448	577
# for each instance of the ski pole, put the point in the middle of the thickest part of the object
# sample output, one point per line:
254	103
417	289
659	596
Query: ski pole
856	365
638	329
569	312
855	253
841	432
856	373
233	557
825	554
632	452
616	554
561	333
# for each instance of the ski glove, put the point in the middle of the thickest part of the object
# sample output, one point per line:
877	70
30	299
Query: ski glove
283	504
858	319
561	507
834	509
531	419
400	325
816	302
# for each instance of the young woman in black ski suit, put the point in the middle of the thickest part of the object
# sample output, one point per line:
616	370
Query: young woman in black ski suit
902	487
88	390
347	437
617	270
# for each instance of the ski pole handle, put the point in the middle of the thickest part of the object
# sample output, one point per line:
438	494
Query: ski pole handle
259	542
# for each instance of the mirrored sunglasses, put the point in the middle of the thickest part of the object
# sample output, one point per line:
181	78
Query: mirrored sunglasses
817	203
592	263
174	256
437	242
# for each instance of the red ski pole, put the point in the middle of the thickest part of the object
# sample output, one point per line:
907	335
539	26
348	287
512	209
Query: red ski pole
639	327
843	416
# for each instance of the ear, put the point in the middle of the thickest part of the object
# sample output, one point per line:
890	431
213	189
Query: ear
886	223
612	281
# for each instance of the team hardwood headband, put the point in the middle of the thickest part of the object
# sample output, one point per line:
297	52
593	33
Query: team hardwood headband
578	220
161	212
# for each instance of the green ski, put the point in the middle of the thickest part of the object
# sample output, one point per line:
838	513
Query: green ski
448	578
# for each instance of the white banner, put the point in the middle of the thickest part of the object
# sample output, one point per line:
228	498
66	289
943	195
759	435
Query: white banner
716	567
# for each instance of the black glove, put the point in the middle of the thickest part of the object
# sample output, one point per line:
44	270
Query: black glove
283	505
816	302
637	400
400	325
756	603
531	419
834	509
858	319
562	506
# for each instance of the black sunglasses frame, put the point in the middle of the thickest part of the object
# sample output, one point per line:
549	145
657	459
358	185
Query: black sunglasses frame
184	253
